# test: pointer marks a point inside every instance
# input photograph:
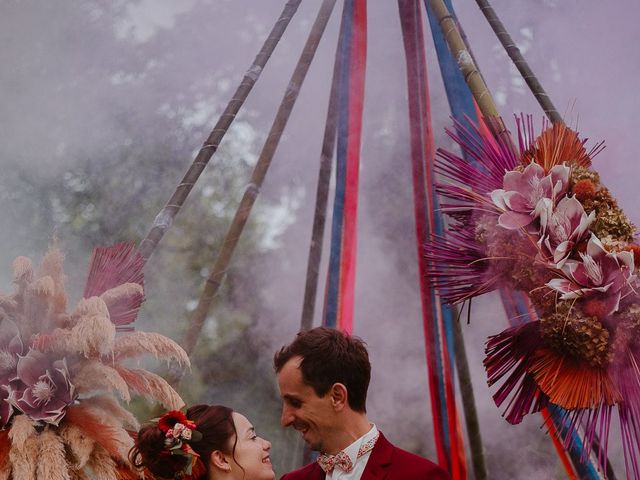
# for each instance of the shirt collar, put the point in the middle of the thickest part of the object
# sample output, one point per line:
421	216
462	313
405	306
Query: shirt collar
352	450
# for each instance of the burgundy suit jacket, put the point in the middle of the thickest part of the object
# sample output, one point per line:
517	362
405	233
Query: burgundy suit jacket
386	462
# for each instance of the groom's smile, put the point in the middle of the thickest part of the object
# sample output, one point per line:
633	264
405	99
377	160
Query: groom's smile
303	409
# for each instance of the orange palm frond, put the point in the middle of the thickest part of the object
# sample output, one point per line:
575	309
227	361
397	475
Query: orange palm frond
124	472
572	384
556	145
4	449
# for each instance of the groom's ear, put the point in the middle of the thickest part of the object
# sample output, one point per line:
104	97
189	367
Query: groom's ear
219	460
339	396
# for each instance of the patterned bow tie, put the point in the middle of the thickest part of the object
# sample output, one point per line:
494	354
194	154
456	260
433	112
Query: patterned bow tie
342	460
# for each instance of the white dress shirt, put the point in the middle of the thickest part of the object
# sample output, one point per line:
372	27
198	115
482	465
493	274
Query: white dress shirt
358	463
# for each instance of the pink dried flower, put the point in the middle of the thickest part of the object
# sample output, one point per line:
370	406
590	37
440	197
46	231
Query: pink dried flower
561	228
41	389
522	191
607	276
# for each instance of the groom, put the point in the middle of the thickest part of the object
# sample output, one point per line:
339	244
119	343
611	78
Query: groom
323	377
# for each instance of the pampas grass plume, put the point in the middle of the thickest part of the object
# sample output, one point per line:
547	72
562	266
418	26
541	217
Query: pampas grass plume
94	334
24	449
52	266
21	431
22	271
139	343
78	444
102	465
96	376
151	386
52	464
113	409
122	293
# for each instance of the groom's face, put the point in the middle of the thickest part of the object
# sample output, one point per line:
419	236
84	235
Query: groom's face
311	415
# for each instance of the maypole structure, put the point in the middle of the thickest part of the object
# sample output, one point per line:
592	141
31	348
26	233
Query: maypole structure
489	152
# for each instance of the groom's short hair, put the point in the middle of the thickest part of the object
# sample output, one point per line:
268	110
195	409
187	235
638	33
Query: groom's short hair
330	356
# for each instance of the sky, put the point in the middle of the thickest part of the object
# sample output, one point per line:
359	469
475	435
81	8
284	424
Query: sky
584	55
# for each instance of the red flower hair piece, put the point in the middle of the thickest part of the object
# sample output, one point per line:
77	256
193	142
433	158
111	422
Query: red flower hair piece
179	432
169	419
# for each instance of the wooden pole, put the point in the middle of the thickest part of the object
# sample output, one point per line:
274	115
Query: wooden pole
518	60
164	219
260	170
469	403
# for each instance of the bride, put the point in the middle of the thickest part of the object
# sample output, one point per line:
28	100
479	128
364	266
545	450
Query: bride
210	442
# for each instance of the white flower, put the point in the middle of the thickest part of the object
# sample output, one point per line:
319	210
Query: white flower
177	429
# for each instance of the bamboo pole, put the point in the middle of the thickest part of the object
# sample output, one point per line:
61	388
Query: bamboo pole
164	219
322	195
518	60
465	61
264	161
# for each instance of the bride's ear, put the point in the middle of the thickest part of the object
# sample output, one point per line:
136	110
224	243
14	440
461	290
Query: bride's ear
219	461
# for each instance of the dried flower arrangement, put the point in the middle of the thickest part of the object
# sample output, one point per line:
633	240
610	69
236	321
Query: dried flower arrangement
62	373
536	218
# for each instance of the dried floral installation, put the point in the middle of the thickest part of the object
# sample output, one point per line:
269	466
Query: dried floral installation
537	219
63	374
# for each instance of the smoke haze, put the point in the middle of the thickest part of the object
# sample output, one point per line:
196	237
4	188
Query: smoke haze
86	85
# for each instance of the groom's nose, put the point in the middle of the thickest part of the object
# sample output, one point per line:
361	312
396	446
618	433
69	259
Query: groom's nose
287	417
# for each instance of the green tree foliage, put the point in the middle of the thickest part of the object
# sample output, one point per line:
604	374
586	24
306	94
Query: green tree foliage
99	127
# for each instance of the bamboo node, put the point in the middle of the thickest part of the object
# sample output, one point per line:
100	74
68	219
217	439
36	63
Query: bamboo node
254	72
464	59
163	220
253	190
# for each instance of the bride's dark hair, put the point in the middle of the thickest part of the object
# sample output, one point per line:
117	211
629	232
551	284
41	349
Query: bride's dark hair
214	422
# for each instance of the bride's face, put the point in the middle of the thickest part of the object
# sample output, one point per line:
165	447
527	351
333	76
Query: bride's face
252	452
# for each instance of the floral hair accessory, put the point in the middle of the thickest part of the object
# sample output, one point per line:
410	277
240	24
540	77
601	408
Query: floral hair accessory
179	432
